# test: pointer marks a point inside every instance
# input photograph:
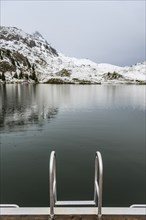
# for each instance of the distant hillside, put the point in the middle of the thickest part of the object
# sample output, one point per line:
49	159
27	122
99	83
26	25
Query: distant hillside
26	58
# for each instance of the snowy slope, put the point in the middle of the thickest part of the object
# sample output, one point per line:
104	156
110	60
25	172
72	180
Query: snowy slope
29	58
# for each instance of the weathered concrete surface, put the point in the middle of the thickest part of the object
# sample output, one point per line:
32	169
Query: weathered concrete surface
73	217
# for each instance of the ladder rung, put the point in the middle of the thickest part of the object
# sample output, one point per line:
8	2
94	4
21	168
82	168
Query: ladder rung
74	203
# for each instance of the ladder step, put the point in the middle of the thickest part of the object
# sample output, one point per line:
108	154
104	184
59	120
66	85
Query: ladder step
74	203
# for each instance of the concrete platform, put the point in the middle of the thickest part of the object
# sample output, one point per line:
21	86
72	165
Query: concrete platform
73	213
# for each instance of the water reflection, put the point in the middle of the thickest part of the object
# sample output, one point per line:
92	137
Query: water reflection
71	97
24	105
19	106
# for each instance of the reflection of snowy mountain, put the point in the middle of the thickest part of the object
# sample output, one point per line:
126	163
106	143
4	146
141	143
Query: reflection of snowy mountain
45	102
29	58
16	110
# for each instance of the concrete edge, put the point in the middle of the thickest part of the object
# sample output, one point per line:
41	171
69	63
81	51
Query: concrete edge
73	211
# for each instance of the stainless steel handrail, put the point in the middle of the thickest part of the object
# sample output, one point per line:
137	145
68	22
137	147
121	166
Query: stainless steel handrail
53	191
9	206
138	206
98	182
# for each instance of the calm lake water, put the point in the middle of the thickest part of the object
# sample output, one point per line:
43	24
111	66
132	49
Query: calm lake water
75	121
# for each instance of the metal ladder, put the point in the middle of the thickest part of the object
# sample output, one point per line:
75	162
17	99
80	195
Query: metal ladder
98	182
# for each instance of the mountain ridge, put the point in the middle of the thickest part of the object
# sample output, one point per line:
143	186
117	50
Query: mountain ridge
30	58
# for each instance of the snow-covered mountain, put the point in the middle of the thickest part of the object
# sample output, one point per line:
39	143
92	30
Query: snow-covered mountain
30	58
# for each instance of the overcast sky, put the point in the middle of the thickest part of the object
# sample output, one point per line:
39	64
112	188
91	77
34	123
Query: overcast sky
103	31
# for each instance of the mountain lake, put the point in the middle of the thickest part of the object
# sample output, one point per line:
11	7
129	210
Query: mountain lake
75	121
